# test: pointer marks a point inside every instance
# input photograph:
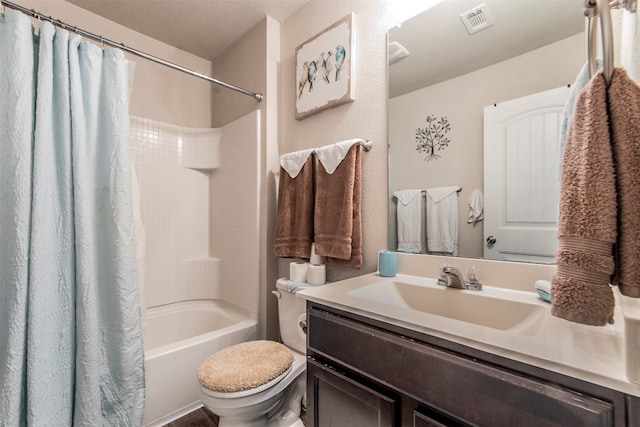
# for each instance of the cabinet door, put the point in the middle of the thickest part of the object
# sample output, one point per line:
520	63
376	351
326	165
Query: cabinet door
474	392
416	414
337	400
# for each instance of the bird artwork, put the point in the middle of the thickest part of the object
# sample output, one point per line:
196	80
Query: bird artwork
321	62
313	69
340	56
328	66
304	78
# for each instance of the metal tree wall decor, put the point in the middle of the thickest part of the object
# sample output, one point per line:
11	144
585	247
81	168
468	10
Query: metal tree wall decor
433	138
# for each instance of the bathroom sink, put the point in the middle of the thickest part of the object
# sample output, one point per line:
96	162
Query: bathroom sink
488	308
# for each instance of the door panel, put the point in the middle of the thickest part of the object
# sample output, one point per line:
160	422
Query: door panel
522	176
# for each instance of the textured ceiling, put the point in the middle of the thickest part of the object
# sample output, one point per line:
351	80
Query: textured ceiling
440	47
202	27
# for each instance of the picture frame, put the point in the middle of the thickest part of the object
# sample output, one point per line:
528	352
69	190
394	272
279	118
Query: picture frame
325	69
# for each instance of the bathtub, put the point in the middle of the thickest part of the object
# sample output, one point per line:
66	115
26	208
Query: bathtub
178	337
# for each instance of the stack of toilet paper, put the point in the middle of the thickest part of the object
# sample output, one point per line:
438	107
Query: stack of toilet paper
312	272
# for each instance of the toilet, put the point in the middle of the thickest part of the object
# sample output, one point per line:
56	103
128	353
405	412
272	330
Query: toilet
260	383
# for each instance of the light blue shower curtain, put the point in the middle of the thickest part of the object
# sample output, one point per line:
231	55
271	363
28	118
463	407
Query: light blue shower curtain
70	333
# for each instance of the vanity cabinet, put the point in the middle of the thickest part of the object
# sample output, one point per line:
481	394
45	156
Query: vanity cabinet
363	372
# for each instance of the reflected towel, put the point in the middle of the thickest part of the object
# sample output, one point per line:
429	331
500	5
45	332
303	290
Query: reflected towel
337	219
476	207
294	220
442	220
408	219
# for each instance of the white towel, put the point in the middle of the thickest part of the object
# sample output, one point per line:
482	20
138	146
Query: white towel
293	162
582	79
409	222
442	220
476	206
331	155
630	40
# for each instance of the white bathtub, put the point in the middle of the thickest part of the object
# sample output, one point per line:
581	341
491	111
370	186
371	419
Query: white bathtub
177	339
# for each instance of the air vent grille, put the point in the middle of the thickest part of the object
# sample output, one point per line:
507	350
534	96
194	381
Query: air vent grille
477	19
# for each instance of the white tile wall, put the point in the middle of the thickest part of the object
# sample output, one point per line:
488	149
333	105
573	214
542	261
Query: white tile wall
175	209
235	207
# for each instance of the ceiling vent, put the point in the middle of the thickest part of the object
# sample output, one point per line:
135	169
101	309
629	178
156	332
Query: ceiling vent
397	52
477	19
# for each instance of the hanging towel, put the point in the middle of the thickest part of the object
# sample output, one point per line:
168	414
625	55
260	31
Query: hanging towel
337	220
293	163
331	155
581	81
408	218
624	110
587	214
442	220
294	220
476	206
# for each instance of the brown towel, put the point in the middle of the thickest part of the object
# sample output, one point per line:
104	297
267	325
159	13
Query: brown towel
338	229
294	221
624	111
587	218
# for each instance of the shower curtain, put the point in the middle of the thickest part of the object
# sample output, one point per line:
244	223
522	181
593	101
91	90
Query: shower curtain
70	339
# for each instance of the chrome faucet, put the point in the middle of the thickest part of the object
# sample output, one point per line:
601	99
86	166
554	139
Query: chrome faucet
452	278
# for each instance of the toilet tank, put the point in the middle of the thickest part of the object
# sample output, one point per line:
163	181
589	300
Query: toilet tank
291	311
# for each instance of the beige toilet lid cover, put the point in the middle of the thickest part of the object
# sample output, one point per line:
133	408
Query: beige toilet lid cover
244	366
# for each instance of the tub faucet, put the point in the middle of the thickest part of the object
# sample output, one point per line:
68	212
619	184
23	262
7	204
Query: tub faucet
452	278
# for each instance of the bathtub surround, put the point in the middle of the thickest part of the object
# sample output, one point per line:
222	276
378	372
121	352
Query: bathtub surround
167	160
70	327
200	299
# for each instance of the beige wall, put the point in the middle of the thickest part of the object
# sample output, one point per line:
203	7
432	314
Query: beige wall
364	118
462	101
252	63
158	92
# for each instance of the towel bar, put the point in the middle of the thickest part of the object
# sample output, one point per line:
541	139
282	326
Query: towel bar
594	9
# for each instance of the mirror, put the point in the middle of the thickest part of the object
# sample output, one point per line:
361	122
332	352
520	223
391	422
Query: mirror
437	99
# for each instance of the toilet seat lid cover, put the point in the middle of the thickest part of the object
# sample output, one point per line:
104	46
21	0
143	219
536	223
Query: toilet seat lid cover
245	366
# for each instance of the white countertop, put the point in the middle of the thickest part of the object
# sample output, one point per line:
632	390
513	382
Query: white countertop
593	354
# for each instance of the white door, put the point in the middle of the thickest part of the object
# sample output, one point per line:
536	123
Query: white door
522	176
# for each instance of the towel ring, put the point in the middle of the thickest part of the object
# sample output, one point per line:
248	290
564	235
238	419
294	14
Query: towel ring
594	9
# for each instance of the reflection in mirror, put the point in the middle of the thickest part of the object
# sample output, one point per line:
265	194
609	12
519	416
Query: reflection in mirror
444	132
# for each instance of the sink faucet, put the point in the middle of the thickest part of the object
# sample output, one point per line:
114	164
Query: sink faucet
452	278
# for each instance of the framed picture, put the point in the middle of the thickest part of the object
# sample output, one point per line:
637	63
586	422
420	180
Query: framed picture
325	69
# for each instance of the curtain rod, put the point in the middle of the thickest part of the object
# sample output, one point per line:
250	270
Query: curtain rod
257	96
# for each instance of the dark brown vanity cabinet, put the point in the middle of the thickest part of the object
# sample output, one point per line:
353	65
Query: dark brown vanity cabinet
362	372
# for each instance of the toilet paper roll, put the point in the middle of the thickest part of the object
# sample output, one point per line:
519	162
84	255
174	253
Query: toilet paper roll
316	274
315	258
298	271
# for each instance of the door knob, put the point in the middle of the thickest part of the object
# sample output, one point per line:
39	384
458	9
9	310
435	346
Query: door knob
491	240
